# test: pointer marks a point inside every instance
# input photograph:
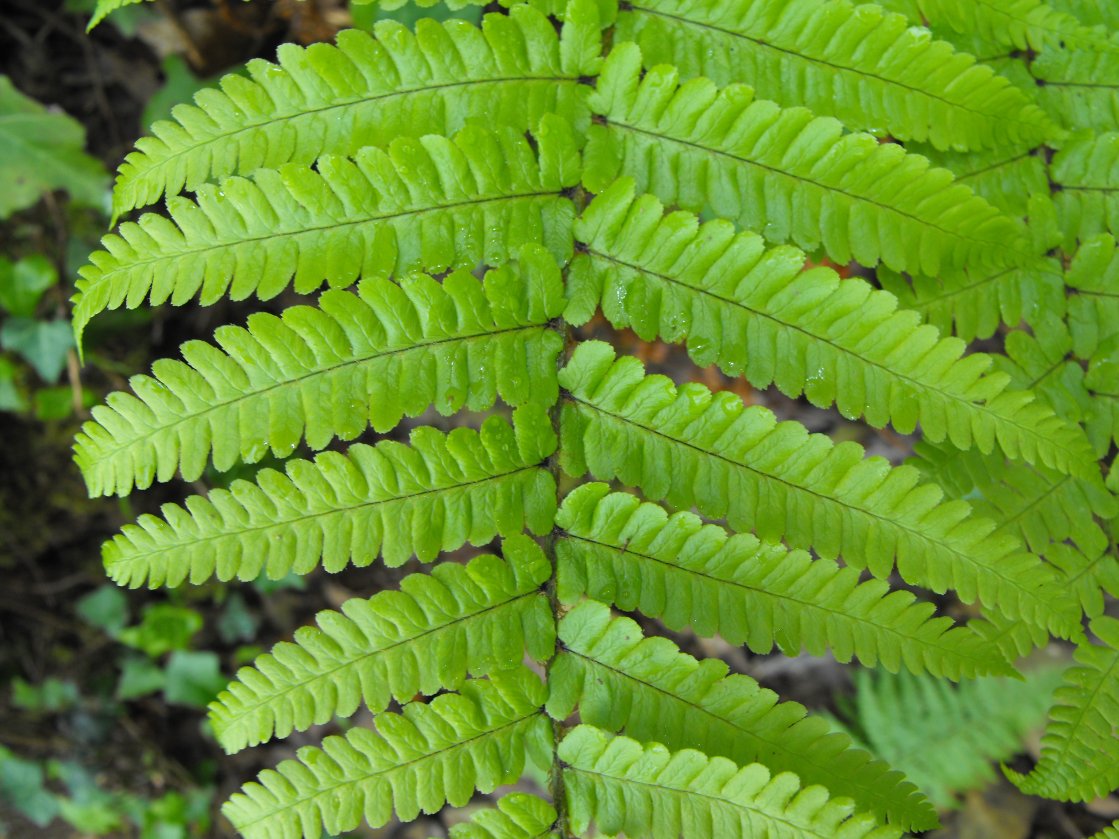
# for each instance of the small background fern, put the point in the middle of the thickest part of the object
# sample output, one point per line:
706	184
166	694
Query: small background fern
480	203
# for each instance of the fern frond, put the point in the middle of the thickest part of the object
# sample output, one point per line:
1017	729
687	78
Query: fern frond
618	550
1038	505
625	787
104	8
1086	169
1111	832
430	204
972	304
1090	12
860	64
1006	177
696	448
327	372
650	691
786	174
1079	87
759	313
390	499
944	737
1018	24
1093	309
430	755
427	637
1080	752
366	91
517	816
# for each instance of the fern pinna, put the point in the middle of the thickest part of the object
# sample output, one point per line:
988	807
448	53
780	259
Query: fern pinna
471	197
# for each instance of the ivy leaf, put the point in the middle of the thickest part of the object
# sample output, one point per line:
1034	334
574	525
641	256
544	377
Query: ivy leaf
193	678
43	344
106	608
139	677
163	628
41	151
23	283
21	785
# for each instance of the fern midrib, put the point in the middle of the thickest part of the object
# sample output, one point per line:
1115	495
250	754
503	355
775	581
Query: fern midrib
192	541
1007	521
121	268
326	791
232	720
154	431
780	744
157	164
960	177
811	336
854	70
1082	706
926	302
752	807
833	613
965	559
859	199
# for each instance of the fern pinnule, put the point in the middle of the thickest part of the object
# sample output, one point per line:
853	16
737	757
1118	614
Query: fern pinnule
1007	177
516	816
465	619
623	786
1080	87
693	447
390	500
429	755
430	204
858	63
646	688
615	549
326	372
697	146
759	313
366	91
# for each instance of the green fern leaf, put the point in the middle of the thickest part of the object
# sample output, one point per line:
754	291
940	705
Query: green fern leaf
866	67
649	690
430	204
618	550
696	448
517	816
1093	310
1079	87
1111	832
786	174
430	755
945	737
104	8
367	91
1086	169
322	373
390	499
1016	24
441	626
1079	752
645	790
1090	12
758	313
973	304
1006	177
